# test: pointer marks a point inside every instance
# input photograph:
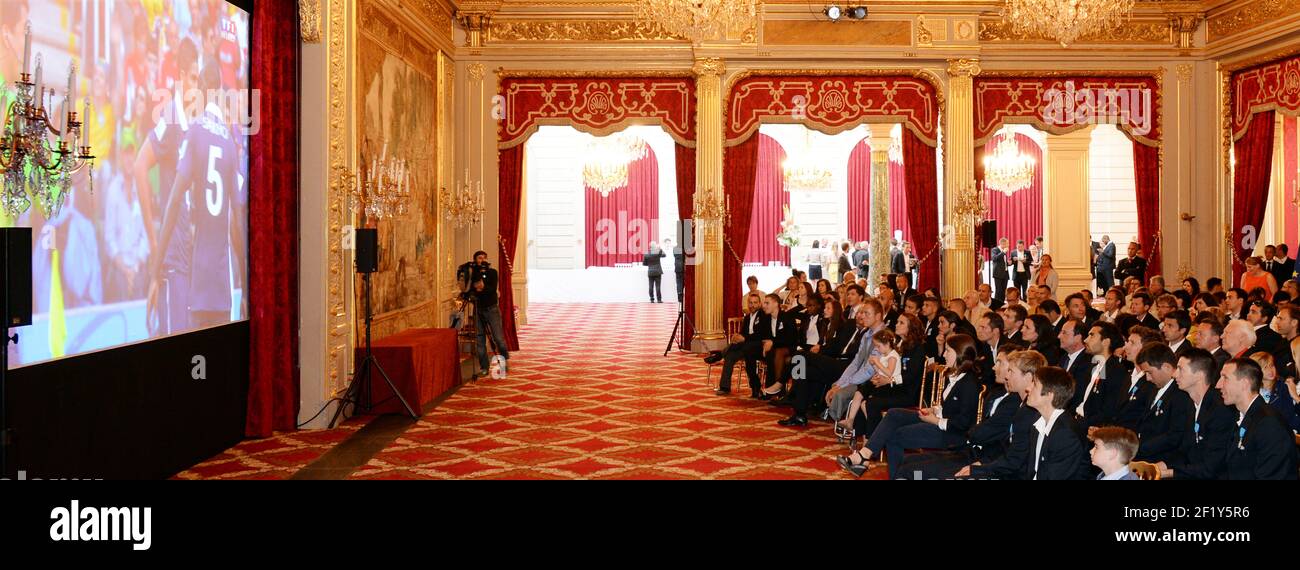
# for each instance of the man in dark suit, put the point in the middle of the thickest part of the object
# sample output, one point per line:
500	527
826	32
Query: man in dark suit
887	302
1234	304
1014	318
1133	266
1175	327
1163	428
1213	423
655	272
897	260
1106	265
1000	274
1108	385
1139	392
1058	443
1052	310
861	258
1022	367
845	263
779	340
1021	263
930	309
1140	306
1209	337
1266	339
1076	360
987	298
746	345
1276	266
679	268
903	285
1263	446
1091	313
988	330
1285	263
1076	307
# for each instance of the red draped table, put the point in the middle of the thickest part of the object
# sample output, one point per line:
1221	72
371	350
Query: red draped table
422	363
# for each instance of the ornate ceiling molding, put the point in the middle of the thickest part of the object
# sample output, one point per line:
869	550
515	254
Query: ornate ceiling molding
1139	32
1251	15
579	31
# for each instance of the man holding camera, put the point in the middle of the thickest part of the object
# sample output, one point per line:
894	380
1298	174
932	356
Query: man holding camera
482	292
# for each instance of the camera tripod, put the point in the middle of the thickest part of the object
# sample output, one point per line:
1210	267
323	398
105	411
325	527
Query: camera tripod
683	321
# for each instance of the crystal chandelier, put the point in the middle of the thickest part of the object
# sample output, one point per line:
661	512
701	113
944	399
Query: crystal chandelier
464	206
1008	170
801	173
1066	20
699	20
383	189
608	160
33	165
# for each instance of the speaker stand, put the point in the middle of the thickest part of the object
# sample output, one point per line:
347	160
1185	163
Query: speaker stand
358	393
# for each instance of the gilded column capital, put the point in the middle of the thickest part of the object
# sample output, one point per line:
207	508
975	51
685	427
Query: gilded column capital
477	24
1184	71
964	67
709	66
1184	25
309	21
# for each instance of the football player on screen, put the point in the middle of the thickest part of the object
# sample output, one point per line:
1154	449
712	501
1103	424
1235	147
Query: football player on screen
207	172
168	308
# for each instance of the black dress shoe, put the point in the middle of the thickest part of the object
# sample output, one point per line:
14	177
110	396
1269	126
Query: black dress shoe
722	392
794	421
713	358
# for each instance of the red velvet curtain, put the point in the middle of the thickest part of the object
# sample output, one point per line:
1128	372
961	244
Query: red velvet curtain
685	161
1146	176
1019	216
922	188
1291	171
510	185
741	162
860	192
898	202
621	226
1250	180
272	286
769	197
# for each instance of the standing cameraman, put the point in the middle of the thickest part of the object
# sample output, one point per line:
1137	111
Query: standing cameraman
487	313
655	272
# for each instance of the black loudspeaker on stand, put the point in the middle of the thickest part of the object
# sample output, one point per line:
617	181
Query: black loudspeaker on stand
989	233
16	306
358	394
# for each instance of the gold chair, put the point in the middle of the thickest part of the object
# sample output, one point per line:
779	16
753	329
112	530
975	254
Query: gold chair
979	410
733	328
1145	471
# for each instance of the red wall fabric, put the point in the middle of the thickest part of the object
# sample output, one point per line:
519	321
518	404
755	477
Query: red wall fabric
510	185
272	286
769	197
1254	155
741	162
898	202
1019	216
860	192
685	161
1146	177
631	211
922	188
1290	166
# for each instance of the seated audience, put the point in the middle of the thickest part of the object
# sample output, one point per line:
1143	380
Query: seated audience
1108	383
1207	438
1161	431
1279	395
1058	448
1263	447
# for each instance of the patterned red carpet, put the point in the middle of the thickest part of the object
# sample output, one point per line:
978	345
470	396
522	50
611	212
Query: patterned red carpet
591	396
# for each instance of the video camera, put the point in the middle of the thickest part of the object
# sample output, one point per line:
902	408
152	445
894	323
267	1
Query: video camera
467	274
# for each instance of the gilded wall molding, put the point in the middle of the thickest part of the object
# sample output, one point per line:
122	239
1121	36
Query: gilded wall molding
579	31
1139	32
338	322
1184	71
1250	16
392	36
309	21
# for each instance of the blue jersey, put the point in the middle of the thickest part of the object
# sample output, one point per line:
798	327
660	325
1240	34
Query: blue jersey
168	142
211	162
